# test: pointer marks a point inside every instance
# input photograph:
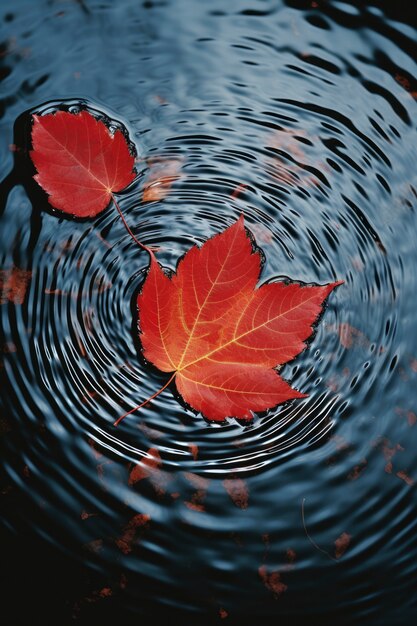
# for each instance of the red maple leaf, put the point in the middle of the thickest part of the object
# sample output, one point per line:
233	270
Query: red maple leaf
220	335
80	163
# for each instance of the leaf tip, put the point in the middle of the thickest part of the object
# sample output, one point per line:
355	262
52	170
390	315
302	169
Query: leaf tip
298	395
331	286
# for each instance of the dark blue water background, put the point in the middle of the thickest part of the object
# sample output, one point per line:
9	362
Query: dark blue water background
302	115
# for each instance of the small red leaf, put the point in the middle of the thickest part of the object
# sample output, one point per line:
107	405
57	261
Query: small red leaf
197	501
287	166
405	477
238	491
351	337
410	415
198	497
146	467
341	544
149	468
358	470
193	450
221	335
272	581
14	283
128	538
106	592
79	162
163	173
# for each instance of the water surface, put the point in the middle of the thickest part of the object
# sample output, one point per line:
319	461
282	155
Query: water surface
301	115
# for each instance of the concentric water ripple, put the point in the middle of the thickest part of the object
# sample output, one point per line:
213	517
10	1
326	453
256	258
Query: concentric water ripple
300	116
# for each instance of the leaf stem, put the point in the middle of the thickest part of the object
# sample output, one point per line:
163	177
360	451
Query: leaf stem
147	249
136	408
311	540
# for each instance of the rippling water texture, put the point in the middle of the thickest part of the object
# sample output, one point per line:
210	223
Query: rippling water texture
301	115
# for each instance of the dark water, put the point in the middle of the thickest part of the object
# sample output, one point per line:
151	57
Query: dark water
302	115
